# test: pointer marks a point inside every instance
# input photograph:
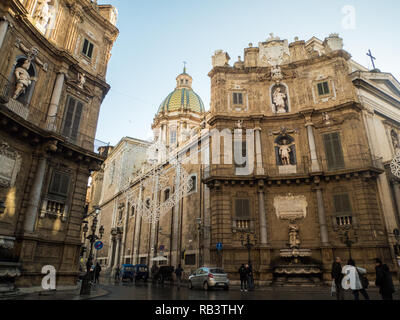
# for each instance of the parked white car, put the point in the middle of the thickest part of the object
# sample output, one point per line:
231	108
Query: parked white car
209	277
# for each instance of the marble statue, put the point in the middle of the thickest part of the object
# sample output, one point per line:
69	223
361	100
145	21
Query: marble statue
279	100
23	79
294	240
81	80
43	13
284	153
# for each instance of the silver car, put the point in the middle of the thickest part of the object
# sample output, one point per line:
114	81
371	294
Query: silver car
209	277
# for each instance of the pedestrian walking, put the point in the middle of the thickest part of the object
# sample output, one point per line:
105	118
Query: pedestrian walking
97	270
355	280
243	278
384	280
337	277
250	277
178	273
117	272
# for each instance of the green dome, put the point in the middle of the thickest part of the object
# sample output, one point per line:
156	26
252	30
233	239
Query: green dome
184	98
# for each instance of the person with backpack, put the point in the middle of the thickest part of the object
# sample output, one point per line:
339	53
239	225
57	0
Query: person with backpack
355	280
384	280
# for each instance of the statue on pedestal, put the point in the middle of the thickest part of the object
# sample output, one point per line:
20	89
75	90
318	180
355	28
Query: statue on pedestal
294	240
42	14
284	153
23	79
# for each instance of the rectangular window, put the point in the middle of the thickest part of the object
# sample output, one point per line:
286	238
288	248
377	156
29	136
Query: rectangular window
143	260
323	88
193	181
190	259
342	203
172	136
59	184
87	49
344	221
237	98
72	118
242	209
240	145
333	151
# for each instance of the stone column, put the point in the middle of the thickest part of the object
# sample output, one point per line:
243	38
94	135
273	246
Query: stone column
262	217
117	254
259	163
136	235
125	231
396	189
322	217
153	224
55	100
175	226
311	141
34	196
3	30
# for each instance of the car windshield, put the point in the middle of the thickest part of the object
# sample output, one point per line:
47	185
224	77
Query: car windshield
142	269
128	268
217	271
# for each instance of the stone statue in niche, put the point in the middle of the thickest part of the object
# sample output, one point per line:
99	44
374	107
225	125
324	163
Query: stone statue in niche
23	79
43	14
81	80
294	240
285	151
280	99
395	140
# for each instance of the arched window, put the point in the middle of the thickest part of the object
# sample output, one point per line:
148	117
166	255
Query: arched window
132	211
193	181
148	203
166	194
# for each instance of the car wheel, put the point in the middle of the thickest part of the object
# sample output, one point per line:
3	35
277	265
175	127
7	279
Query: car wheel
190	285
206	286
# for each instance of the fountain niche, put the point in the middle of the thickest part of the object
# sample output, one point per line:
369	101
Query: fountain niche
294	266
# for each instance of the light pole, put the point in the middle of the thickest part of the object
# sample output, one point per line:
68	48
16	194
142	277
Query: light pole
86	284
346	239
248	244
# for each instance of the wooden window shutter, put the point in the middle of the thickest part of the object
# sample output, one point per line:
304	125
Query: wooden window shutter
242	209
77	120
59	184
342	203
69	116
333	150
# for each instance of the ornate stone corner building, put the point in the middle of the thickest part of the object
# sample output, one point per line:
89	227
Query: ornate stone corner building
53	63
326	131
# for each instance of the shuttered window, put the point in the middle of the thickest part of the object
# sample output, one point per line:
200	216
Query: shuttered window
323	88
242	209
72	118
333	151
237	98
59	184
243	146
342	203
190	259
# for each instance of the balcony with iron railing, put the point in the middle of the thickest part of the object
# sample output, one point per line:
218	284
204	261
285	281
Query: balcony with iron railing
351	163
35	116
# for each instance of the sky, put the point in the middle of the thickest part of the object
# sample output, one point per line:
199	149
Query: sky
156	36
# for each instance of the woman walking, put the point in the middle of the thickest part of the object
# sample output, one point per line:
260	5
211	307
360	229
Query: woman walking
384	280
355	280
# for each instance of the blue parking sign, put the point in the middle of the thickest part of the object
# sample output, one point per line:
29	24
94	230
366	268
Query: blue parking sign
98	245
219	246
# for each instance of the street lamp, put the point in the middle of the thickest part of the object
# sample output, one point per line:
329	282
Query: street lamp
248	244
346	239
86	284
2	206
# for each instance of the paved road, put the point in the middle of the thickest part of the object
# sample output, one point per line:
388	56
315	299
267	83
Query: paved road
148	291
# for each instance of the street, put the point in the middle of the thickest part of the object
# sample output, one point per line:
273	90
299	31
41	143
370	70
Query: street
149	291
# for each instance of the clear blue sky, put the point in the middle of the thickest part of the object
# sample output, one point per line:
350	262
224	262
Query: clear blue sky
156	36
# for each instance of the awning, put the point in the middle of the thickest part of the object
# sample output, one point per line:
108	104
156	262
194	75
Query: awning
160	258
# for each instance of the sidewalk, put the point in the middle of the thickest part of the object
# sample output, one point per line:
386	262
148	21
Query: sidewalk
96	292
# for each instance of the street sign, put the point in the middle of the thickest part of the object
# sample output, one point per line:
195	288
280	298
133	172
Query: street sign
162	247
219	246
98	245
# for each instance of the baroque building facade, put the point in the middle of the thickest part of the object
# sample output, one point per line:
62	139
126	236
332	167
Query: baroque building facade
292	161
53	65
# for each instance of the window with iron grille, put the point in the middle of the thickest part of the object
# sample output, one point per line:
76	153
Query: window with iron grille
72	118
143	260
333	151
237	98
323	88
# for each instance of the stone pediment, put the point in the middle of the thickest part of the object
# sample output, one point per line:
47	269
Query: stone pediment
387	86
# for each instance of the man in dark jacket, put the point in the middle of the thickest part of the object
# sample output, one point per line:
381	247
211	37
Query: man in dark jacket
243	278
97	270
384	280
178	273
337	275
